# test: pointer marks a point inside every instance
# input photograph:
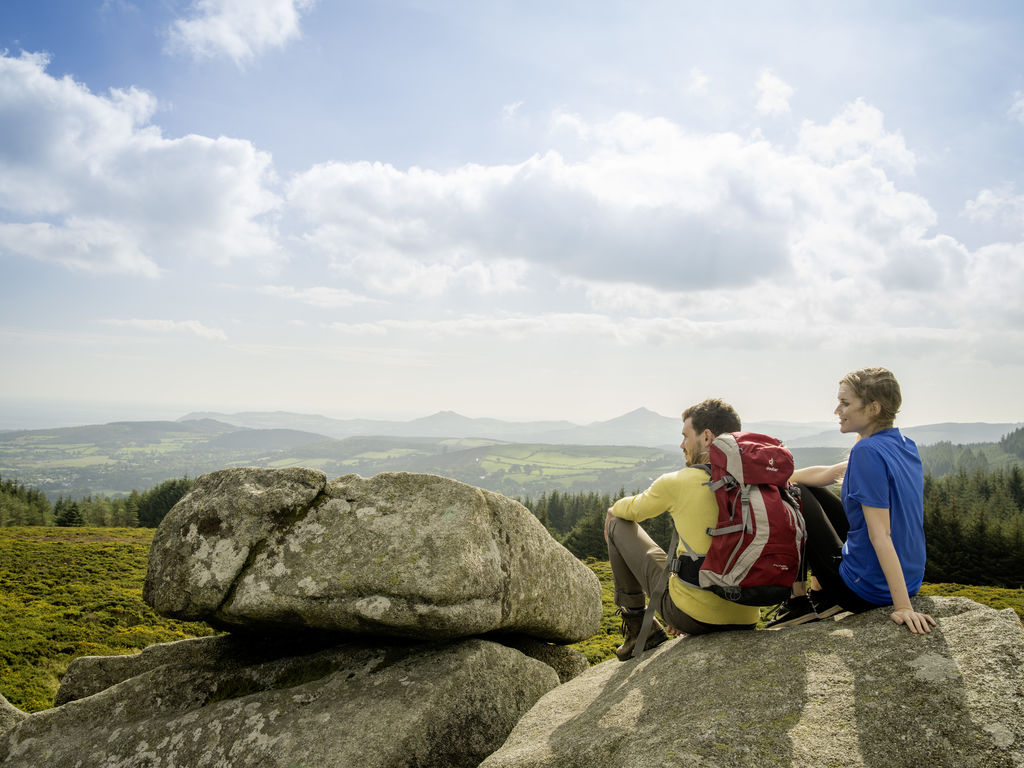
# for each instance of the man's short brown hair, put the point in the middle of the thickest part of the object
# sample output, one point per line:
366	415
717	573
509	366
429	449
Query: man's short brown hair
714	414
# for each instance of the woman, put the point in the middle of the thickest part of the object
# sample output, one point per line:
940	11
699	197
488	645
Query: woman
867	550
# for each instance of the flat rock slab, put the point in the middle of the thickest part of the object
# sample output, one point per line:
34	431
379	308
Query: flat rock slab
398	554
219	702
857	692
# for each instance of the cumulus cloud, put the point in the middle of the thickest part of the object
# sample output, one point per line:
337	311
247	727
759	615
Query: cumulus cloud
857	134
321	296
773	94
654	229
1016	110
1000	206
508	112
698	81
90	184
518	327
646	203
238	29
171	326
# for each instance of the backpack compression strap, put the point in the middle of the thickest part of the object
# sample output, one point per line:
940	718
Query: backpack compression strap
645	628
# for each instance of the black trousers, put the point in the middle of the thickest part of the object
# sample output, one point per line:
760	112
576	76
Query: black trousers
827	529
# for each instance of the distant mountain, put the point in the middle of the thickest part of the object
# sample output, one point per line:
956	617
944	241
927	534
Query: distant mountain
440	424
304	422
928	434
641	427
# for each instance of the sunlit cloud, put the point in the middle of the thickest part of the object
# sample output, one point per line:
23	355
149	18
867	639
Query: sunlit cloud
90	184
240	30
773	94
323	297
857	134
1016	110
509	111
999	206
193	327
698	81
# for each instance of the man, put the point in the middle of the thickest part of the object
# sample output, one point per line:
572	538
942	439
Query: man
637	562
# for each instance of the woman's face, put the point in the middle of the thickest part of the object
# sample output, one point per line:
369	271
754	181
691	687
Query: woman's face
855	416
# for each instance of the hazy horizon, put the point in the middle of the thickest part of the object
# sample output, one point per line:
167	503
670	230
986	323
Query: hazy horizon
30	415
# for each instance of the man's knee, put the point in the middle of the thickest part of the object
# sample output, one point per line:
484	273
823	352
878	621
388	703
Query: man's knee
617	524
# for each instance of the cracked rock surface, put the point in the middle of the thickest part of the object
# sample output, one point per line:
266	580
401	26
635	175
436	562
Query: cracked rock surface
399	554
256	702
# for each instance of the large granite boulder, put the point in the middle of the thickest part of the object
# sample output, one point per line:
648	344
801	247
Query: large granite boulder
10	715
397	554
857	692
276	702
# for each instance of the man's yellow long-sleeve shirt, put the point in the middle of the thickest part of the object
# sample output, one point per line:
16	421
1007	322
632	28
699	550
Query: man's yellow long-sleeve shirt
685	496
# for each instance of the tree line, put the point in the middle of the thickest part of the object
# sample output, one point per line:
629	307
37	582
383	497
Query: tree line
974	524
21	505
974	521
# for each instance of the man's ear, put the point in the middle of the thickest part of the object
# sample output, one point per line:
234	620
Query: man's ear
708	436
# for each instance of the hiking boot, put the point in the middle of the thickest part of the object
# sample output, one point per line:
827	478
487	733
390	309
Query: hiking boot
632	621
824	605
790	612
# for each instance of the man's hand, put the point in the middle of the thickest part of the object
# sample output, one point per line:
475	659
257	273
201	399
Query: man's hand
912	620
607	521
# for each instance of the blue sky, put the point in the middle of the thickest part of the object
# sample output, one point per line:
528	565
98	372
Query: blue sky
516	210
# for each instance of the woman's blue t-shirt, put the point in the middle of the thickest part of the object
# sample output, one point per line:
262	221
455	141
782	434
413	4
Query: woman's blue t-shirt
884	471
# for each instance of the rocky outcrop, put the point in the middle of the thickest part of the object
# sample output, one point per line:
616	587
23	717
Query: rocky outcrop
857	692
10	715
401	620
232	701
399	554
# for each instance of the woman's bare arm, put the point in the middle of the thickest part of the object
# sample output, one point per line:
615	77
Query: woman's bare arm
820	476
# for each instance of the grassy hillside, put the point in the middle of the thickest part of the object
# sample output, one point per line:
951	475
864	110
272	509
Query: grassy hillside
69	592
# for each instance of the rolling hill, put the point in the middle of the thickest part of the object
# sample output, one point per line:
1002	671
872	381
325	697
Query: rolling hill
514	458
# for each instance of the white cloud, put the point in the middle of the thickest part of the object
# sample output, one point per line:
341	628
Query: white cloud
774	94
320	296
698	82
999	206
508	112
646	203
171	326
90	184
238	29
92	245
654	229
1016	110
857	134
771	330
518	326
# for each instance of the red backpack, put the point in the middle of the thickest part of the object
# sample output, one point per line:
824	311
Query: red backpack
757	543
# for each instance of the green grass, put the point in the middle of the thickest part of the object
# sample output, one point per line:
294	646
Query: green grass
602	646
69	592
992	596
